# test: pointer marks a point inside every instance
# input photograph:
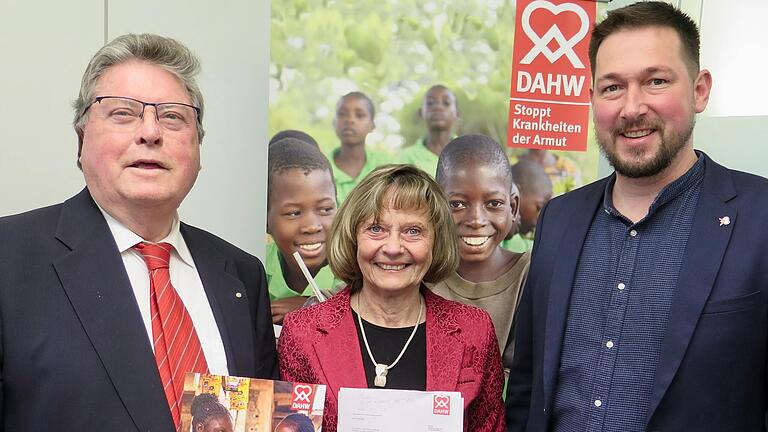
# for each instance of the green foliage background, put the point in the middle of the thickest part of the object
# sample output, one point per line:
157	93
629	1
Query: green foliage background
394	50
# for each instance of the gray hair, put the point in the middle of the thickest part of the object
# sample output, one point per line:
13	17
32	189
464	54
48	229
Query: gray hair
164	52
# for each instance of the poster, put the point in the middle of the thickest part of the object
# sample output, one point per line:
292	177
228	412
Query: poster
237	404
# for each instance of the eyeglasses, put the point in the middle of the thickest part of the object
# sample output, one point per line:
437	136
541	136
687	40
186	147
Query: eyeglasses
128	113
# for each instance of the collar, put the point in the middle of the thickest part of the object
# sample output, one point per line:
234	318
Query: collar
339	175
439	312
691	178
125	239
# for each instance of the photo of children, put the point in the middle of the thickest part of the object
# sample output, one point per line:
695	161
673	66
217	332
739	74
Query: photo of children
437	71
410	57
301	203
216	403
475	175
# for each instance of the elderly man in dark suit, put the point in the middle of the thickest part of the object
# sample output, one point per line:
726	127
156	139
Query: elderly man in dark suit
646	306
107	299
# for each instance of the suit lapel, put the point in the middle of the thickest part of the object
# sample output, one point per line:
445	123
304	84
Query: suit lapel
337	348
704	254
231	312
566	259
95	281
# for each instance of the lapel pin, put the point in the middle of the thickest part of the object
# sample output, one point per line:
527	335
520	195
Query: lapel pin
725	220
238	295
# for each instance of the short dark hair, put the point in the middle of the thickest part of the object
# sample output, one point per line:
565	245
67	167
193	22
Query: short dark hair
649	14
293	133
530	177
206	406
360	95
301	422
293	153
472	150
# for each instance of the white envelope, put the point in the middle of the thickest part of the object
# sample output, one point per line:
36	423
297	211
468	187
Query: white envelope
383	410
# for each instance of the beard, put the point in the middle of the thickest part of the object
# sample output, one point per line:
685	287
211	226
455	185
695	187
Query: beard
635	165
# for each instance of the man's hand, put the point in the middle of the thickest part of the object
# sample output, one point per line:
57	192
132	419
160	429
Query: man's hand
283	306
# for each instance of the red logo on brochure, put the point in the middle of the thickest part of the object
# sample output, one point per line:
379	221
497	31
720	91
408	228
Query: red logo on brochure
441	405
303	395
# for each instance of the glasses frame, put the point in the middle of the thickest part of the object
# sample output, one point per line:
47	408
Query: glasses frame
98	99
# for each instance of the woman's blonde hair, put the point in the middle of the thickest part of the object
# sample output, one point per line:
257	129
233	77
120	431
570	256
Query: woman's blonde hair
400	187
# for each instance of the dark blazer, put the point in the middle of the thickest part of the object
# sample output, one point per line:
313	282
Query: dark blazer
319	344
74	351
711	374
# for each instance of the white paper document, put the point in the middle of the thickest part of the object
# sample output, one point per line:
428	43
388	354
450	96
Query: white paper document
382	410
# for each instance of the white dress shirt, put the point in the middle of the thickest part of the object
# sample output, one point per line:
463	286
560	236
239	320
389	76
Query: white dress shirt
185	280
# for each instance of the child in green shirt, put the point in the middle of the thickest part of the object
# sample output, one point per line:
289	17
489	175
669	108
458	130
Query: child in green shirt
440	114
301	203
352	161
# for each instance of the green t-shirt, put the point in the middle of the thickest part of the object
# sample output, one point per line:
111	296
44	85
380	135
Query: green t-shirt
344	182
420	156
517	244
278	289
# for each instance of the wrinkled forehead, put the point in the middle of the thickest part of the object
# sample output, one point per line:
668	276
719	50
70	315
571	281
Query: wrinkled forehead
144	81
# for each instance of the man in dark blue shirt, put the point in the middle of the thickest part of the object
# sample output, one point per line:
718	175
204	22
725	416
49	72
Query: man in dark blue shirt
646	304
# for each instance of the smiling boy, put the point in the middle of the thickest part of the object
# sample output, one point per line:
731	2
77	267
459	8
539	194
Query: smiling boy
301	203
475	176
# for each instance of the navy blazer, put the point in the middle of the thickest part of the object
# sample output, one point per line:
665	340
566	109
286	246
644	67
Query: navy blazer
74	352
712	370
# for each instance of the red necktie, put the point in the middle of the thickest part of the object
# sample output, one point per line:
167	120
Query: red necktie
177	348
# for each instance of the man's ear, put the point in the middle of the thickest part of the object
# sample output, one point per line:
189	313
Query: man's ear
701	89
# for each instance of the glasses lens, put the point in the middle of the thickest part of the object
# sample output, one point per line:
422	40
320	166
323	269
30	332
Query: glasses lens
176	116
120	110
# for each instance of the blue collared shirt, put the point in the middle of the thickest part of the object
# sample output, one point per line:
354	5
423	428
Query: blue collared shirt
619	308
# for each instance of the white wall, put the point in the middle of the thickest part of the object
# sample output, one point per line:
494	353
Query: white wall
45	49
43	57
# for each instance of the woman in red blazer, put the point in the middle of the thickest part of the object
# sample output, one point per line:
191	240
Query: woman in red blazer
385	330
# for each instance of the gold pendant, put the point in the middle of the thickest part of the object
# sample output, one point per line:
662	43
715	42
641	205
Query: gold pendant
381	375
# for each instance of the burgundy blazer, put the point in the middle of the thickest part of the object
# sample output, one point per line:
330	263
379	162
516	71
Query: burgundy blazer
319	344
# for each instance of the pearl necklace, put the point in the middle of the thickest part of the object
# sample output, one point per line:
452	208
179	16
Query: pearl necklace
381	369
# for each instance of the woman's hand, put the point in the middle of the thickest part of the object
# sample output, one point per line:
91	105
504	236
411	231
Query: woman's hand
283	306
